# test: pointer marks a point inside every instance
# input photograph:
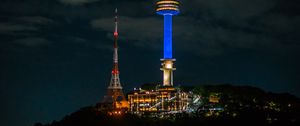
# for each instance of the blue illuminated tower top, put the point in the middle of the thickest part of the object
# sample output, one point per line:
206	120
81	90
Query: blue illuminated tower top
167	8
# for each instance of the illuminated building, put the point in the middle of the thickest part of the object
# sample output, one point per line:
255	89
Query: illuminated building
214	98
115	98
164	99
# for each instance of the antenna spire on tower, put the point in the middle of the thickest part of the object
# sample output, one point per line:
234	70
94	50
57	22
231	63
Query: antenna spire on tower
116	23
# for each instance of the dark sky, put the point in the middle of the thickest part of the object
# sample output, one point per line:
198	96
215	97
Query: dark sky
56	55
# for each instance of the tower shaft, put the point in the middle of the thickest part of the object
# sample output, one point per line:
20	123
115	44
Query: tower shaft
168	36
167	8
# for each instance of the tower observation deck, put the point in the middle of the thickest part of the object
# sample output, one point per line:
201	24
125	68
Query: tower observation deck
167	8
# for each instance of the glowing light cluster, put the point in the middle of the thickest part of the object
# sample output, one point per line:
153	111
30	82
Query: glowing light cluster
168	64
116	34
167	7
115	71
167	2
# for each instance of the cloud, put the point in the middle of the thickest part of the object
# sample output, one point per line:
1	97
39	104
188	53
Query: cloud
204	27
231	10
24	26
36	20
77	2
216	27
7	28
190	34
32	41
142	32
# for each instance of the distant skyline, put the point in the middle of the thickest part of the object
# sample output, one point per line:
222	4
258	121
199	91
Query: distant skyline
56	55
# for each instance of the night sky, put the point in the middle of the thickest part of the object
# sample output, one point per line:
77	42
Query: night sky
56	55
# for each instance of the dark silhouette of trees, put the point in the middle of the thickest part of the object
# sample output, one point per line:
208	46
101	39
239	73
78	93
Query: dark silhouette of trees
243	105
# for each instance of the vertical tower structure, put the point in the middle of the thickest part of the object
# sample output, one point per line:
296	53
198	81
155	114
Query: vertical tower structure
167	8
115	79
114	90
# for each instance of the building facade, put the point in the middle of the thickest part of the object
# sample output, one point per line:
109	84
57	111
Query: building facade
165	99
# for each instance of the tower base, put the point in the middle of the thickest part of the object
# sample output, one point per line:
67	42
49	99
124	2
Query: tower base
168	68
116	97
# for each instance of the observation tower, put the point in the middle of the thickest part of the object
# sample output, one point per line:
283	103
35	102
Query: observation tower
167	8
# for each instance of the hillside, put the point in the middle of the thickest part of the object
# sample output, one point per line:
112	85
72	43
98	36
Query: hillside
242	105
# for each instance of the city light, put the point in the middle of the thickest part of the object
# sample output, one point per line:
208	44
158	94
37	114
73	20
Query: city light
169	65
